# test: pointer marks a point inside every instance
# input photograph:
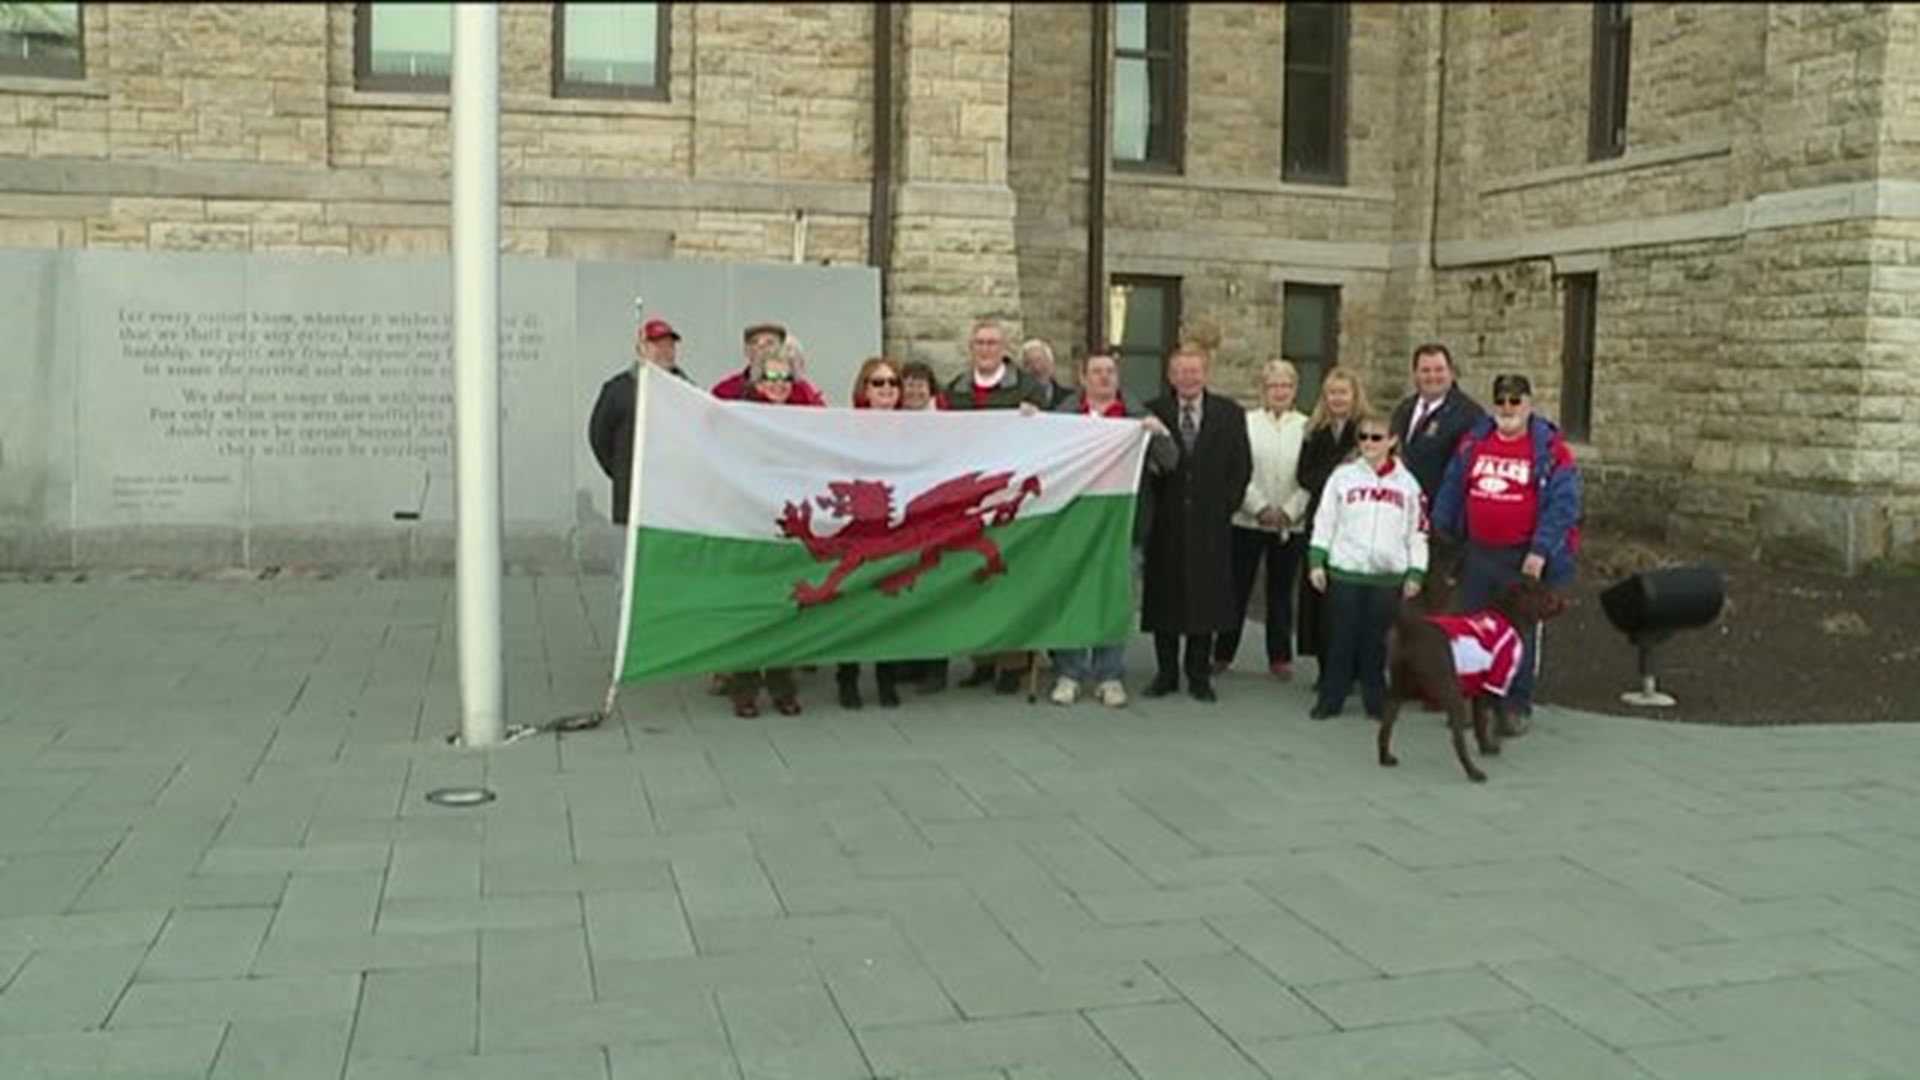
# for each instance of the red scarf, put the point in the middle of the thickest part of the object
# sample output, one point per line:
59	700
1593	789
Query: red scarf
1115	410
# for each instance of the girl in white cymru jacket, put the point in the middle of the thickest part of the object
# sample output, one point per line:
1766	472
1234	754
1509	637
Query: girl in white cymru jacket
1369	550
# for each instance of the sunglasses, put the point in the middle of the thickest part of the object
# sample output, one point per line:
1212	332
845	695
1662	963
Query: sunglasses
1372	436
883	381
1510	400
776	377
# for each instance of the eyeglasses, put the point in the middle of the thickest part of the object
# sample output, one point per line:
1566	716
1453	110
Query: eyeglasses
1372	436
1510	400
883	381
776	377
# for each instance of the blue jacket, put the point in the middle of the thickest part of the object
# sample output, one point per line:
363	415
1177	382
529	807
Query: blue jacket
1560	496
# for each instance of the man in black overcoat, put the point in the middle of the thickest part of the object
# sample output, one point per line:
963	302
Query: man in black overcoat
1188	587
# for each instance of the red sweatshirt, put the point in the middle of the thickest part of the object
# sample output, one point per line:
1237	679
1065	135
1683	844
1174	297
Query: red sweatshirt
1503	494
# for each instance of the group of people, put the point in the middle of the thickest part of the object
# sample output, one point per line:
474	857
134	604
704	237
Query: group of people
1336	507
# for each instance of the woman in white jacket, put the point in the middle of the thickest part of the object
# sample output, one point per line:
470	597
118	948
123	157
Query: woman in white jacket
1369	551
1270	527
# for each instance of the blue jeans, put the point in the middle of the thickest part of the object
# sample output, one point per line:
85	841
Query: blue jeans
1484	572
1358	618
1102	663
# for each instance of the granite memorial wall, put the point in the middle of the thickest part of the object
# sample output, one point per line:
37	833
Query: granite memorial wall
173	410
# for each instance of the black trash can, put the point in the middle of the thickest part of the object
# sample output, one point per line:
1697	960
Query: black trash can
1659	602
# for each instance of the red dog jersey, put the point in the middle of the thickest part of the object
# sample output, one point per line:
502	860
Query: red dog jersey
1486	651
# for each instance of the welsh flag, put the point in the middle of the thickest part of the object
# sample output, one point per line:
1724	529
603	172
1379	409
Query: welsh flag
764	535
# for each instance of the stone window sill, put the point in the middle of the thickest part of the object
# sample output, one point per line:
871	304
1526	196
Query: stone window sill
1631	161
1119	178
30	84
439	100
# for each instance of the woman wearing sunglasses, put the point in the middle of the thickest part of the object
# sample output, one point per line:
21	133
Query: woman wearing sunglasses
1369	550
773	384
876	387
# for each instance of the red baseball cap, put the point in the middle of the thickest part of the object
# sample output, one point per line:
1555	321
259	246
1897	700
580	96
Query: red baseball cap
657	329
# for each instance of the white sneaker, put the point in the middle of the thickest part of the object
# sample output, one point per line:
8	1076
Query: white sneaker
1065	691
1112	694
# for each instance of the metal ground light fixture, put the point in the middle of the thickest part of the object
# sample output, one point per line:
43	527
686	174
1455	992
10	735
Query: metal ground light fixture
1653	606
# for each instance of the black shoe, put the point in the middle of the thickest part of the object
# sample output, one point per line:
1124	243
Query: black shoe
846	678
1008	682
1322	712
1201	691
981	675
889	696
1161	686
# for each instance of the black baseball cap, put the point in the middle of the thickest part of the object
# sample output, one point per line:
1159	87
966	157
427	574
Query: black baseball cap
1504	385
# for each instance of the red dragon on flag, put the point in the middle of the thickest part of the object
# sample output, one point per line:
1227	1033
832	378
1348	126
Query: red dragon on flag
951	516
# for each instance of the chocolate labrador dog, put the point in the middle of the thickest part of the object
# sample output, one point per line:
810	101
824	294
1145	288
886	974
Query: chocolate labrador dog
1463	662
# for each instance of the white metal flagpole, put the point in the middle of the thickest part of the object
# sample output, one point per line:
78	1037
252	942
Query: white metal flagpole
476	372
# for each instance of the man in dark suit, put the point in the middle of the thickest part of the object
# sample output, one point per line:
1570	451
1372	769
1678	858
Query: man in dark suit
1189	564
1430	422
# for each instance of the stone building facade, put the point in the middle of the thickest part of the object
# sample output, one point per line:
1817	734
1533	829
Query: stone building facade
1746	255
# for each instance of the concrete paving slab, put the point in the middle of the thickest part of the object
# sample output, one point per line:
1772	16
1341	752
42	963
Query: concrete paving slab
220	864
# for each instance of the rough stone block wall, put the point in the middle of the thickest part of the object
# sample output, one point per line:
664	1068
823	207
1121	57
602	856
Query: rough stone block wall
193	82
1499	318
954	257
1900	95
1661	321
1518	102
209	85
1889	390
1048	98
1409	315
1826	66
782	94
1758	357
1777	411
1227	225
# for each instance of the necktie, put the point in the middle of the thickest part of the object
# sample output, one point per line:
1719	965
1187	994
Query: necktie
1420	412
1189	426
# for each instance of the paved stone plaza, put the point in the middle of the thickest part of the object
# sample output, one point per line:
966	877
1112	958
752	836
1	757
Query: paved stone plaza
216	861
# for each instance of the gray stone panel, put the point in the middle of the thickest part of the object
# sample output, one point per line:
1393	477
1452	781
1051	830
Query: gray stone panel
210	410
29	314
158	436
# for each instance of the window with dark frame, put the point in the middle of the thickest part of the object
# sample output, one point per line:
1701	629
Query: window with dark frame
1310	334
1612	56
610	50
407	48
1313	138
1149	85
1576	355
1145	314
42	41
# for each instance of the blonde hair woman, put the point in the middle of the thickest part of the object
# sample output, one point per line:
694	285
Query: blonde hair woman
1329	441
1271	525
